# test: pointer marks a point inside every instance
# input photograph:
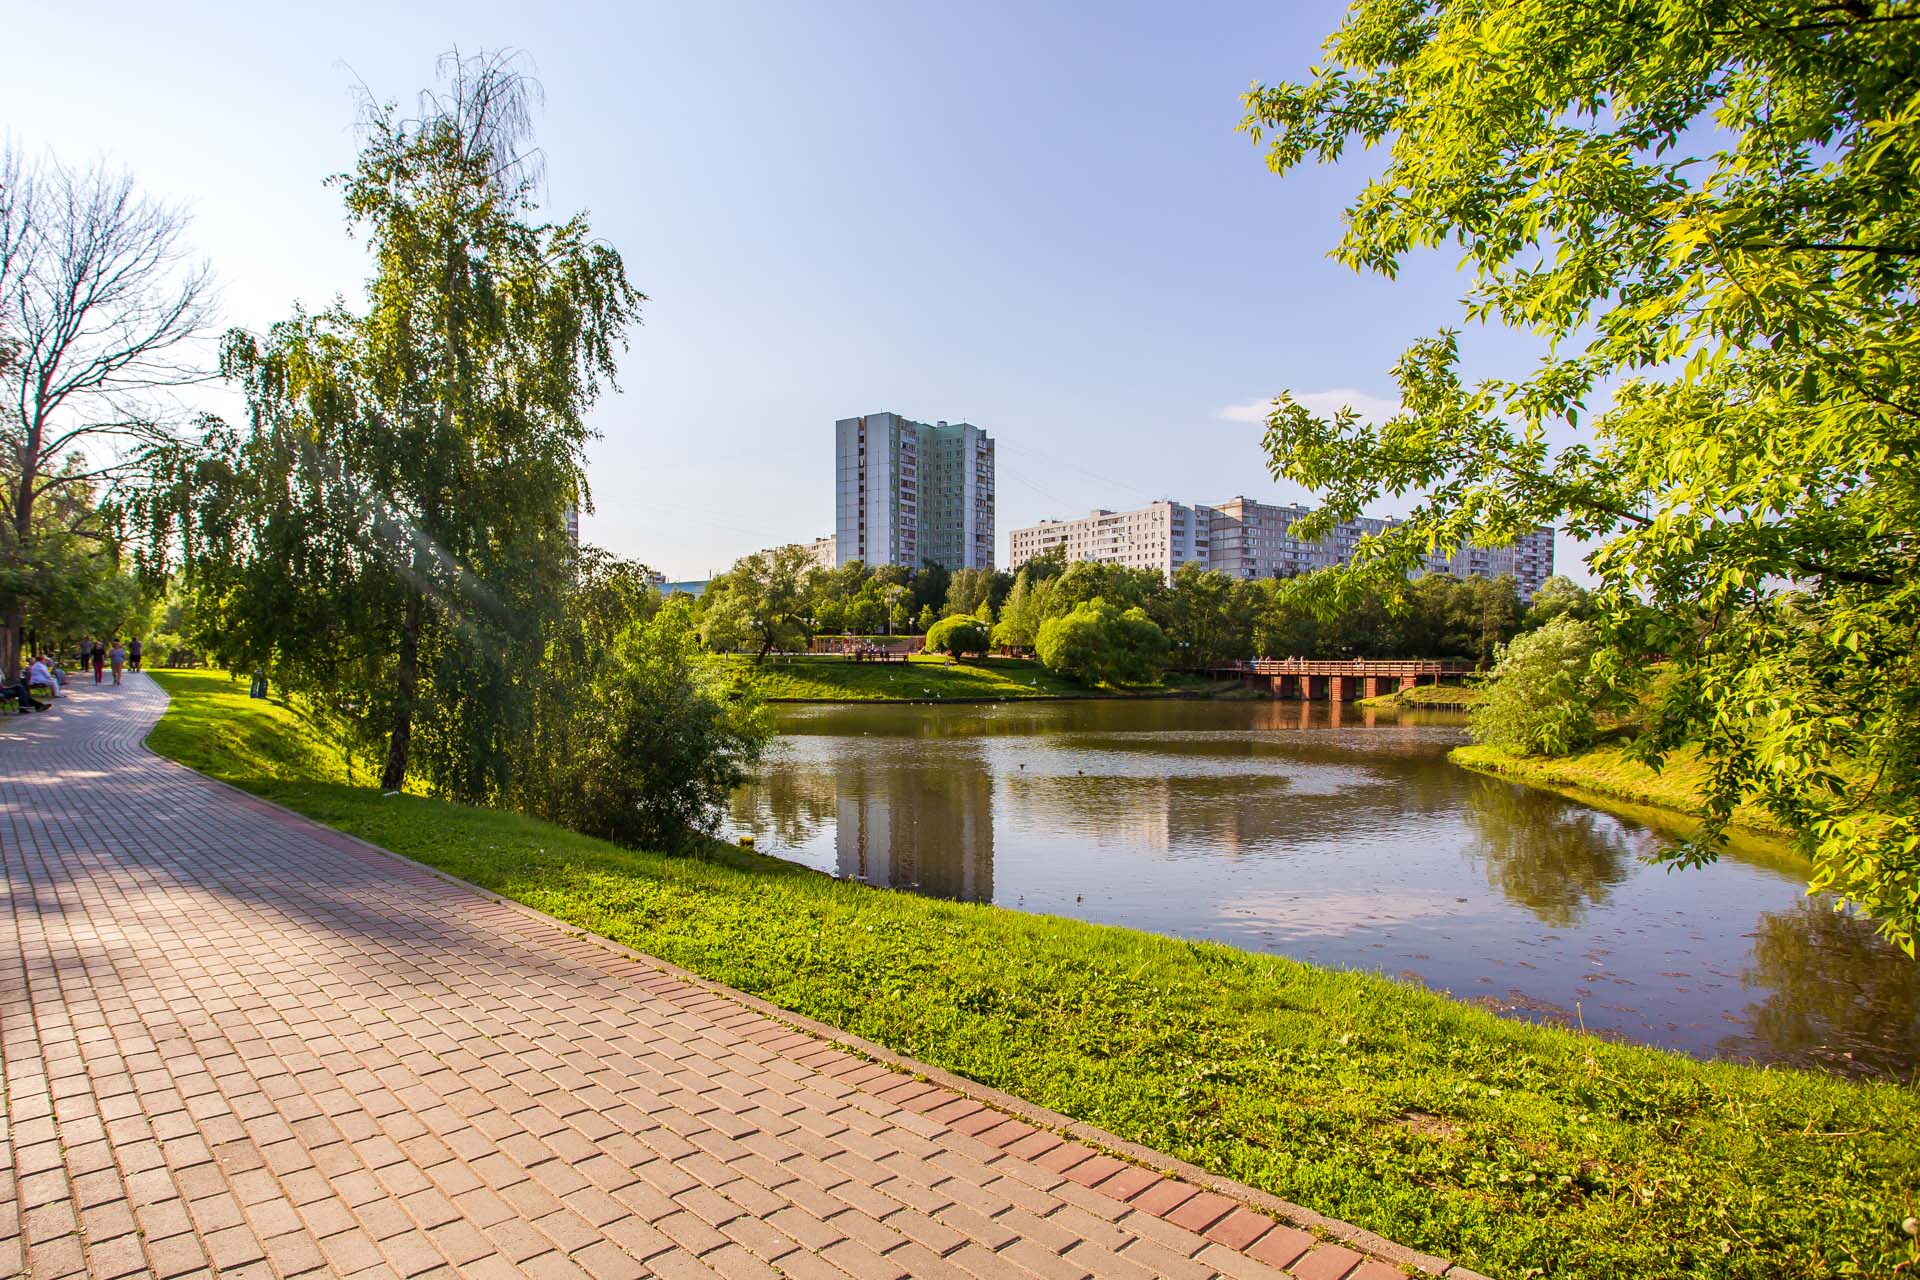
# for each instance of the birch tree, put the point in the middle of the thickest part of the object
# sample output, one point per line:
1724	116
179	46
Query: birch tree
100	306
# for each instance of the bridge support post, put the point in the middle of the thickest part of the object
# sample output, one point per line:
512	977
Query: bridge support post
1373	686
1409	682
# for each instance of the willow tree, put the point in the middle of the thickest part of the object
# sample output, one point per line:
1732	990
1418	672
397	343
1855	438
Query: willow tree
386	530
1707	213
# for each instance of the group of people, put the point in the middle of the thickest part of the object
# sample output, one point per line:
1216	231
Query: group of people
112	654
862	652
42	672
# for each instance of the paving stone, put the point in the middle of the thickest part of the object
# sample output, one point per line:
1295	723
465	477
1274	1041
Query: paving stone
277	1050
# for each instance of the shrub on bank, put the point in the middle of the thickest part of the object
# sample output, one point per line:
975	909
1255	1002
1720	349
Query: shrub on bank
959	635
1543	698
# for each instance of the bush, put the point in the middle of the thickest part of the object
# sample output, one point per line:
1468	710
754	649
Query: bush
655	742
958	635
1543	694
1097	644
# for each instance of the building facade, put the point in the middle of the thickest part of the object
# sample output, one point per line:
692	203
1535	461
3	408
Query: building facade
909	493
1255	540
1246	539
1529	561
1161	535
819	551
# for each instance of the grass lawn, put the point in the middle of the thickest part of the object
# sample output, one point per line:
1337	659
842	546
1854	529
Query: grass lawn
1427	695
1605	770
1516	1150
930	679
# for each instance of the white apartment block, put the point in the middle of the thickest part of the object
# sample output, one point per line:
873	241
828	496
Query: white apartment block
1162	535
1529	561
819	551
1246	539
1255	540
908	493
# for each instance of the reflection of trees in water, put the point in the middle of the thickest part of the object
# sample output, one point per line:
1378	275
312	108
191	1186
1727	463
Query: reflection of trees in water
791	801
1838	996
1552	856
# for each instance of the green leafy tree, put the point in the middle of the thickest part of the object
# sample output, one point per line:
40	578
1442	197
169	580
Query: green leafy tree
931	586
974	591
1097	643
655	743
387	530
959	635
1024	611
1707	214
1210	616
1557	595
1543	694
927	617
771	592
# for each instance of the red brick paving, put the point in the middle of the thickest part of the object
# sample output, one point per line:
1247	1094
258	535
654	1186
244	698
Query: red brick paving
236	1043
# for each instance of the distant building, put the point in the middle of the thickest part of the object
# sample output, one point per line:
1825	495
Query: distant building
1246	539
1529	561
573	525
1255	540
695	588
908	493
820	550
1161	535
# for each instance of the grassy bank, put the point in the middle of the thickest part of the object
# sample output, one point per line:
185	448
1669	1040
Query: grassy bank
1440	696
930	679
1516	1150
1606	771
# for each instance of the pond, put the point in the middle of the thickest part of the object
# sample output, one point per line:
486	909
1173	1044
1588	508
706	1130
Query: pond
1343	838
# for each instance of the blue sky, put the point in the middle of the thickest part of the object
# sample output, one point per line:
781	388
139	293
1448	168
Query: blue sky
1035	218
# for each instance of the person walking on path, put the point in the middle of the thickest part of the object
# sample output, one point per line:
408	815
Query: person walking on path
133	654
118	657
99	660
86	654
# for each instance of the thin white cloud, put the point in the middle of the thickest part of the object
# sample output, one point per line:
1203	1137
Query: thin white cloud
1324	403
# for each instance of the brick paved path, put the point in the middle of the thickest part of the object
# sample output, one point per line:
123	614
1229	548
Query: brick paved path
237	1043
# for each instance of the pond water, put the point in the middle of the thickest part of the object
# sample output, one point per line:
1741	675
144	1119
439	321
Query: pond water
1343	838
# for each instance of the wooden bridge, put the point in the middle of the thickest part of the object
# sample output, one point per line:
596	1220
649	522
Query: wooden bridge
1340	680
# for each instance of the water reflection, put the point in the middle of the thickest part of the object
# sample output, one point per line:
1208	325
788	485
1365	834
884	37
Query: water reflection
1550	855
899	828
1272	827
1830	995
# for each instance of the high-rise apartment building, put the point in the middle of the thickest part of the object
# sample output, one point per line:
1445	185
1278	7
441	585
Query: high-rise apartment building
1529	561
1247	539
1162	535
909	493
1255	540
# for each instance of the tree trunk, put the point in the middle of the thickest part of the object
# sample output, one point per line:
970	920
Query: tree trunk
406	683
10	642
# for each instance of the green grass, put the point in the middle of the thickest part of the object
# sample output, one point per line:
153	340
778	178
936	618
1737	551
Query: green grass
1606	771
930	679
1516	1150
1426	695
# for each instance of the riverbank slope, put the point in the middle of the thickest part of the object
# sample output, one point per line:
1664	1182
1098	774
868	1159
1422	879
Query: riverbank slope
929	679
1436	697
1507	1146
1606	771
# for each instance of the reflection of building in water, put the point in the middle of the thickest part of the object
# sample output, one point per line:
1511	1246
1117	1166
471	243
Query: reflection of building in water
1181	813
930	831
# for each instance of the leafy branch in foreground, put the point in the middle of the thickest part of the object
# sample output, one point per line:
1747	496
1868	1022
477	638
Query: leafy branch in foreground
1707	221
